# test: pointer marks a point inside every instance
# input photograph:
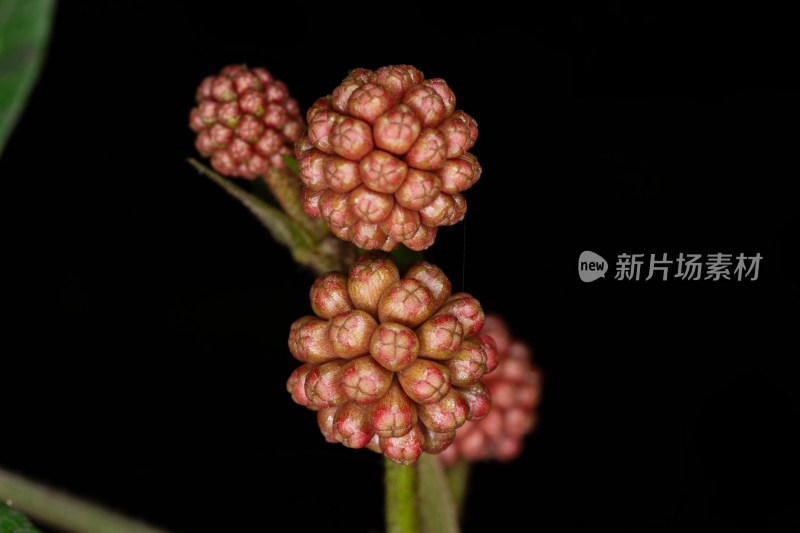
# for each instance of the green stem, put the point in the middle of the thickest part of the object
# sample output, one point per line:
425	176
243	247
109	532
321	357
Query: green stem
401	511
320	252
437	512
59	509
458	479
287	189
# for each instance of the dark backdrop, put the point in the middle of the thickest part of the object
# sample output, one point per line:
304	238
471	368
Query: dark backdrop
146	312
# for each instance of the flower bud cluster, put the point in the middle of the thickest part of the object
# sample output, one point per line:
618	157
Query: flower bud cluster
391	363
245	121
386	158
515	388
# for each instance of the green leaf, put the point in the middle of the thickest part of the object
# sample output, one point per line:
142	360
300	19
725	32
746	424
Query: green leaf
291	162
437	511
282	228
12	521
24	32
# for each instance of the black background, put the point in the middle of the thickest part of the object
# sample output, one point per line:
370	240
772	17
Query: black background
146	312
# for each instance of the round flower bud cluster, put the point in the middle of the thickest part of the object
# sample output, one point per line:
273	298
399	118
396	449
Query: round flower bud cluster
386	158
516	388
391	363
245	120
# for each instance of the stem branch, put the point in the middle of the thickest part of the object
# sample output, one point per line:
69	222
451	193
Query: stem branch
287	189
64	511
437	512
458	480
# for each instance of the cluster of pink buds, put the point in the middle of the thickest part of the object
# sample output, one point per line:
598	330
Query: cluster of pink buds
516	388
391	363
386	158
245	121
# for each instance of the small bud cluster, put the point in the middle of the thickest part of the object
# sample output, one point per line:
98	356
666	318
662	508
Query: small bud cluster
515	388
386	158
245	120
391	364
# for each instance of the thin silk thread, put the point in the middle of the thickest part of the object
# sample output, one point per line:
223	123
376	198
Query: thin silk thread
464	255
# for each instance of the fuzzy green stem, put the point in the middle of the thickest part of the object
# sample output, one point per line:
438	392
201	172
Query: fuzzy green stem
437	512
401	511
321	252
68	513
458	480
287	189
